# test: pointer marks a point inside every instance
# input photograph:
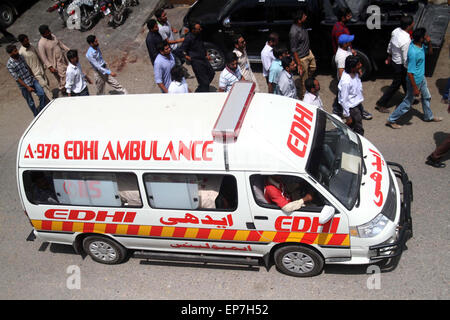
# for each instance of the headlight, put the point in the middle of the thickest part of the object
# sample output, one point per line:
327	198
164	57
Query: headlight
371	228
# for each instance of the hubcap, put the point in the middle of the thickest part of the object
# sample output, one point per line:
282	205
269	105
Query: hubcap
103	251
216	59
298	262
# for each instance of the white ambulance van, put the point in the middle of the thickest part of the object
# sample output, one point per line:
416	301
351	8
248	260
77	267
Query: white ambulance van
185	177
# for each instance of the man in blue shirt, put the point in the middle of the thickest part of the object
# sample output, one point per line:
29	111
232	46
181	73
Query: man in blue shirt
102	73
164	63
416	83
275	68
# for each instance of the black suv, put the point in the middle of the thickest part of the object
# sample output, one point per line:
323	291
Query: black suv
255	19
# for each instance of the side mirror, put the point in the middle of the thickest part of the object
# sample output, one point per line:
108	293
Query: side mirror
326	214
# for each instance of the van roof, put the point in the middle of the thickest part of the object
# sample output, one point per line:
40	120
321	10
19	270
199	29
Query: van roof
166	132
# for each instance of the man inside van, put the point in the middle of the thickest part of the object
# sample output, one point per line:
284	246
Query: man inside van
275	192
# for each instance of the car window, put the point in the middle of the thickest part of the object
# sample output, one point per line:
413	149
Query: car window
191	191
249	11
103	189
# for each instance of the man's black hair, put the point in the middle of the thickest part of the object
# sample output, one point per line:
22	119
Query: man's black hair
350	63
151	24
10	48
21	37
309	84
406	21
286	62
342	12
72	54
418	34
177	73
279	50
159	12
43	28
230	57
90	38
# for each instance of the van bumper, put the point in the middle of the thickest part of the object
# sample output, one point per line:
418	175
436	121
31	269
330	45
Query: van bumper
394	247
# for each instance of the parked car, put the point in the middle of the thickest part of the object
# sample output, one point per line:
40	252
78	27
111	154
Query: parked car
255	19
10	10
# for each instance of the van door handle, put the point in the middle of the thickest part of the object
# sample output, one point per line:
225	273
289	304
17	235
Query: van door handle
263	30
261	218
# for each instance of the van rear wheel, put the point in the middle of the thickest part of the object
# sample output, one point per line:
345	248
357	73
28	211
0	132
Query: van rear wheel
104	250
298	261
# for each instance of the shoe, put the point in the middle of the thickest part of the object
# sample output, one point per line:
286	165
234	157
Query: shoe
436	119
382	109
366	115
435	163
393	125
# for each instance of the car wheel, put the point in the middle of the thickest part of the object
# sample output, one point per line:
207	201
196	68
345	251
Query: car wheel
7	15
104	250
366	65
298	261
217	56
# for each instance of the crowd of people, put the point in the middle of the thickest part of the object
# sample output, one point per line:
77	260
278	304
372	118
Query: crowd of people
406	52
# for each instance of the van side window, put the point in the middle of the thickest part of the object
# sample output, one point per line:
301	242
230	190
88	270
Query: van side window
116	189
191	191
249	11
291	188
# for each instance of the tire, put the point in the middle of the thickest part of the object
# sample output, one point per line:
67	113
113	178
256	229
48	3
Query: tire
298	261
104	250
7	15
87	22
366	65
217	56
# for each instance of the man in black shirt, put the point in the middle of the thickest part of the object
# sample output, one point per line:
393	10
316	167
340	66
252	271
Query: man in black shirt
195	52
153	39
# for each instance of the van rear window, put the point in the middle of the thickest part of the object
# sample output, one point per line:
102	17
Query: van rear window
100	189
191	191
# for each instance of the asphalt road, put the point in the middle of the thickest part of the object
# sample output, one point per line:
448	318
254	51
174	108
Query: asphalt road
32	270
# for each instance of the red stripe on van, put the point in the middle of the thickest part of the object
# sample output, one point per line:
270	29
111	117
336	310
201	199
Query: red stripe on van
254	236
179	232
309	238
88	227
281	236
203	233
228	234
155	231
336	239
67	226
133	229
46	225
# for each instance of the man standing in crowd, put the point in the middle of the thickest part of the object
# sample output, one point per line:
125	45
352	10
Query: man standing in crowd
312	93
345	50
195	52
52	52
164	63
275	68
299	39
35	63
267	54
152	40
243	62
166	31
23	75
230	74
286	82
344	15
351	94
416	83
102	74
75	78
397	58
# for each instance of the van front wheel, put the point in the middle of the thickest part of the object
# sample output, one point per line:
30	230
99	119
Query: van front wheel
104	250
298	261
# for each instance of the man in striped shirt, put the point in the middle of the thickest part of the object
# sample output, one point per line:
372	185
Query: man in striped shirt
230	74
25	79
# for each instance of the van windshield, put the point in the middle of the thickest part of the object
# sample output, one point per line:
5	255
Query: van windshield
336	159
